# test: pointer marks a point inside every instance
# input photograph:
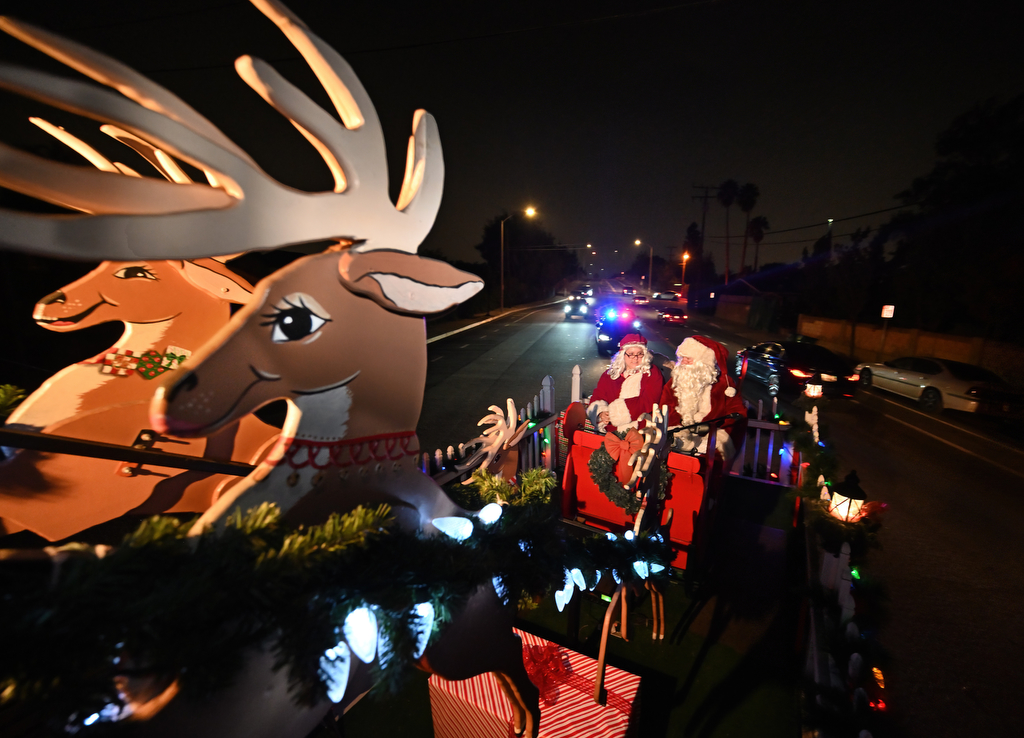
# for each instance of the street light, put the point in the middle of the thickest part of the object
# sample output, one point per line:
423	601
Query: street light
650	266
529	213
682	279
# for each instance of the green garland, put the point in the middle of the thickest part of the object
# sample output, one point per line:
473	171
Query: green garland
602	472
189	608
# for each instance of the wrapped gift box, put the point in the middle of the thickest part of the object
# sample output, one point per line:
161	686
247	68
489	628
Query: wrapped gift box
477	708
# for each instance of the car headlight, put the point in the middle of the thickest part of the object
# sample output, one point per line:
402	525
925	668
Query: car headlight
636	323
602	337
568	308
583	309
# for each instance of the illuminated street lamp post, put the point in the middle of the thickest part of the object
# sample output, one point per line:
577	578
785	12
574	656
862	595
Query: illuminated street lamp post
529	213
650	267
682	279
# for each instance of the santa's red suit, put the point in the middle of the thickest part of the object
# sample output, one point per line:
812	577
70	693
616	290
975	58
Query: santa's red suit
711	394
625	398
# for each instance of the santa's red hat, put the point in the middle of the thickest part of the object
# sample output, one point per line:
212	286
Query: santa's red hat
712	353
632	339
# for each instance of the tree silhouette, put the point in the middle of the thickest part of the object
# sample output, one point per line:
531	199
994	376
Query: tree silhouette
958	260
727	192
756	228
746	198
534	265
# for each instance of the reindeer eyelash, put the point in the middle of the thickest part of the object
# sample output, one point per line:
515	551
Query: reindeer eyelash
292	321
135	272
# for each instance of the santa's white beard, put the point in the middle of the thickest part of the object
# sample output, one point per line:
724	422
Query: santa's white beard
689	383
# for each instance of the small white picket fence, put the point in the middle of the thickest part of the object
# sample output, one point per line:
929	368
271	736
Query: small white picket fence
765	456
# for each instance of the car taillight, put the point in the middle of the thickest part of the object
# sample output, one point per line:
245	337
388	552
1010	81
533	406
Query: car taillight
801	373
853	378
974	392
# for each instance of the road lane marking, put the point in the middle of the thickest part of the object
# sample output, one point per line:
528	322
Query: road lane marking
464	346
488	320
959	448
436	358
945	422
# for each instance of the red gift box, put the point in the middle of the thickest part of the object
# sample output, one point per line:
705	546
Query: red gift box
477	708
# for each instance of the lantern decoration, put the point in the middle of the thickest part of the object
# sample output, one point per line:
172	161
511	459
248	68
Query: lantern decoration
847	499
814	387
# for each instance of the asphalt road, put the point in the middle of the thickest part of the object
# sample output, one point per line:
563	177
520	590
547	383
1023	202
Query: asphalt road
951	541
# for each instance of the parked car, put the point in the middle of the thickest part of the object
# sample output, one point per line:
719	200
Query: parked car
614	322
672	316
641	300
785	366
671	296
944	383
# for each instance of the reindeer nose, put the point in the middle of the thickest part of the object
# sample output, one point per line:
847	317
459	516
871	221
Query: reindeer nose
53	297
188	383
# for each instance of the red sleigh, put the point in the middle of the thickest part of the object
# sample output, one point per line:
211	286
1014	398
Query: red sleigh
685	515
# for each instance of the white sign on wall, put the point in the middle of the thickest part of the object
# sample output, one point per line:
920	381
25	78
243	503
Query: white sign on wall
888	310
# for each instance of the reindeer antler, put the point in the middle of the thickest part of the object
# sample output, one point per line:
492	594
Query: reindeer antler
242	208
503	434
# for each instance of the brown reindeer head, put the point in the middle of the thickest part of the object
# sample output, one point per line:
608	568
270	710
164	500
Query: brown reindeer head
337	332
140	292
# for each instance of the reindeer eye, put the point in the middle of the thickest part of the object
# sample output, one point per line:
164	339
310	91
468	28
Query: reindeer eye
291	322
134	272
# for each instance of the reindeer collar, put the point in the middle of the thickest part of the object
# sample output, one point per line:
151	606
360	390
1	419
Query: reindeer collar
342	454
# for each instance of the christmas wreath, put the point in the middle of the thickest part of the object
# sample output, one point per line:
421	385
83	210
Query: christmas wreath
602	471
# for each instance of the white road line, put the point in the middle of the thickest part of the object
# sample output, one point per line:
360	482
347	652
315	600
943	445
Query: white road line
488	320
959	448
466	345
946	422
436	358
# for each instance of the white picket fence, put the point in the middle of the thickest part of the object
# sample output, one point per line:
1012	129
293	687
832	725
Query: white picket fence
765	456
536	449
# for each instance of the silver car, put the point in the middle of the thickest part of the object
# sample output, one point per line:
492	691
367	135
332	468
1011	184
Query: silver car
943	383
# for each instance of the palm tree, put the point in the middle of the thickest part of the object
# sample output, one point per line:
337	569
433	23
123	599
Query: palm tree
756	228
746	198
727	192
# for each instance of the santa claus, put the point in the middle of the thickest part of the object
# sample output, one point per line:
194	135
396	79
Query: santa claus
629	388
700	390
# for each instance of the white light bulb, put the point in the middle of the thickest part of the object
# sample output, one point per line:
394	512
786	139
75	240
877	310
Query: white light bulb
334	668
360	631
458	528
490	513
641	569
578	578
630	535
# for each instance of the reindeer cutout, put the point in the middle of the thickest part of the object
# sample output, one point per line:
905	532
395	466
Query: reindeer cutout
339	335
169	309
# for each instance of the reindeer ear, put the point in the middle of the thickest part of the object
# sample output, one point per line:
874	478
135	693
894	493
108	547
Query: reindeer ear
213	277
406	283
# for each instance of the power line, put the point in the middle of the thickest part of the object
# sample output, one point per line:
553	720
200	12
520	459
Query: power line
840	220
773	232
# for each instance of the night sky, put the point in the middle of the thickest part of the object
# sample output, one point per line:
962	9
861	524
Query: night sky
603	115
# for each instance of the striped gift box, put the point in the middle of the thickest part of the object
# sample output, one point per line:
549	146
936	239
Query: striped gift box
477	708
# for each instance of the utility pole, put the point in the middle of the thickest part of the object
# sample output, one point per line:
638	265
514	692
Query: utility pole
703	220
